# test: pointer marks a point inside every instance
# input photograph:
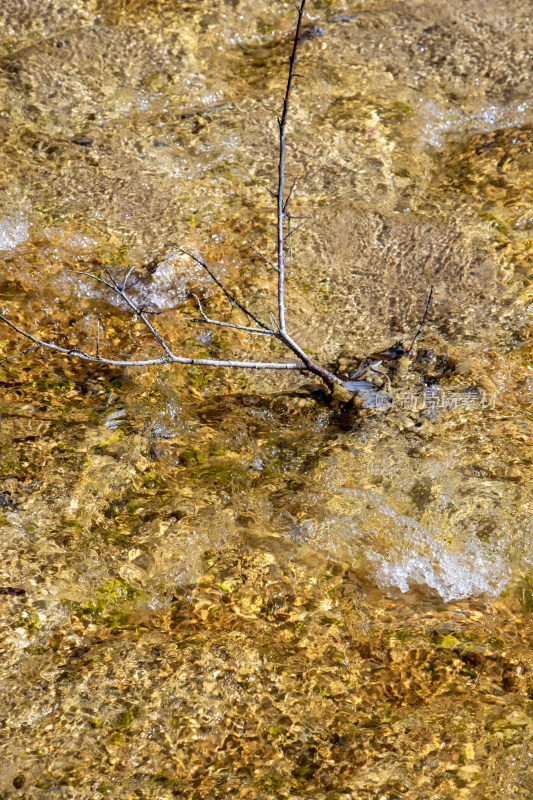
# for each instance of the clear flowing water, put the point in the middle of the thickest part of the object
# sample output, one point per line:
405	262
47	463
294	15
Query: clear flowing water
215	583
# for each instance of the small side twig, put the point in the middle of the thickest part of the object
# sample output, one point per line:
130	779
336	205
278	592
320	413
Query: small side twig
265	259
20	353
421	326
290	233
221	324
141	278
199	260
125	287
288	200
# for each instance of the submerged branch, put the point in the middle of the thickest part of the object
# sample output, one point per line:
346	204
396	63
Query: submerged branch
20	352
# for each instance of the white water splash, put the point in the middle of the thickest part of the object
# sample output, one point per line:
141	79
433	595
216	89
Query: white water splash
434	121
14	230
170	285
397	551
424	560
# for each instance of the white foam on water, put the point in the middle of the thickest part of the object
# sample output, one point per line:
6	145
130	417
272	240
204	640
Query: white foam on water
114	419
426	561
167	288
14	230
433	121
397	551
170	285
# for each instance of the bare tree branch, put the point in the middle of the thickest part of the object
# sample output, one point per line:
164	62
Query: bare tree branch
148	362
122	288
281	172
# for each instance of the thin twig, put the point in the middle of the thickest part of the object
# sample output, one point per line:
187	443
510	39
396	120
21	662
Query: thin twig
288	200
199	260
124	287
93	276
221	324
98	337
267	260
20	353
256	331
290	233
421	326
142	277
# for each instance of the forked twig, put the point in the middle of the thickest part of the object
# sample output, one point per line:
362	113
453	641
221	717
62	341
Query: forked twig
199	260
221	324
288	200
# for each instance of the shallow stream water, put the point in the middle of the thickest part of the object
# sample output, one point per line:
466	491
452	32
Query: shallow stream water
217	583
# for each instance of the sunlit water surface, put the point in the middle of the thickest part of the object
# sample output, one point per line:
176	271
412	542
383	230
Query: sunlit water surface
217	584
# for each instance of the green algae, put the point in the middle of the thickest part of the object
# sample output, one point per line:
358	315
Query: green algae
105	788
125	719
162	779
231	476
29	620
37	650
191	456
109	608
